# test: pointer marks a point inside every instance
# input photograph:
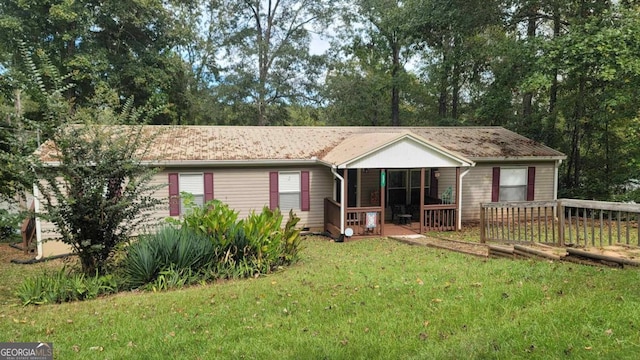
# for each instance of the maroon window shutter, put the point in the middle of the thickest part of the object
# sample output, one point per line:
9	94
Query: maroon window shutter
273	190
531	183
174	195
208	187
305	198
495	185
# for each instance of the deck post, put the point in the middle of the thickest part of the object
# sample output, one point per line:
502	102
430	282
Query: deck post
345	205
421	216
483	235
458	228
560	218
383	194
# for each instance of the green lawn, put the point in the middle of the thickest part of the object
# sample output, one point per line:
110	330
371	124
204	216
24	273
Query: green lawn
358	300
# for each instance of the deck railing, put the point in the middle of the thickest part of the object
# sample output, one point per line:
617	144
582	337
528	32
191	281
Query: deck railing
598	223
440	217
565	221
519	222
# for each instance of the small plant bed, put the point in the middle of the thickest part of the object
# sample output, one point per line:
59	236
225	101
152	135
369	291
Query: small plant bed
207	244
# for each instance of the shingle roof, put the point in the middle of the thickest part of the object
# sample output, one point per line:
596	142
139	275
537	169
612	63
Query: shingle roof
221	143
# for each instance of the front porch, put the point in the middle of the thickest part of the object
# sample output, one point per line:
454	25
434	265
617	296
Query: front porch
387	202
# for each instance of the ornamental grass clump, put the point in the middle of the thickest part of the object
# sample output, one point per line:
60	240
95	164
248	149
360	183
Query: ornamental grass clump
64	286
177	251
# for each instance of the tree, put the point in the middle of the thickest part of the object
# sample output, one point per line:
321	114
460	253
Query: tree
100	192
91	181
124	45
267	50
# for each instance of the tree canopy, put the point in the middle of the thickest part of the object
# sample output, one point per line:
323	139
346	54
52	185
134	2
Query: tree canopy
563	72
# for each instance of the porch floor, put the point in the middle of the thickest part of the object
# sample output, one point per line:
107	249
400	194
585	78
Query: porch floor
391	229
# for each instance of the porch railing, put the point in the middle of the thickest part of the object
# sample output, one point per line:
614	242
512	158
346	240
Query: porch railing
331	217
365	220
440	217
565	221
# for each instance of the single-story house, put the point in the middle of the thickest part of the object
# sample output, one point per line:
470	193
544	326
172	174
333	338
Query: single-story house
348	180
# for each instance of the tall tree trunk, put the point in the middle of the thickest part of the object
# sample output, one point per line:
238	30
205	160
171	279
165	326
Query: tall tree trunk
455	89
553	91
527	98
443	85
395	85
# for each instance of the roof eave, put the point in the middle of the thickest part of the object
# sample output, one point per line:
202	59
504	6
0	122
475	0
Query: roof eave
518	158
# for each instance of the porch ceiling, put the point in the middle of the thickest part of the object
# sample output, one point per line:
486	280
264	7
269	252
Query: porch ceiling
392	150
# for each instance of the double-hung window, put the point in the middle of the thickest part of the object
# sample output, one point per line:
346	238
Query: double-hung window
194	185
200	185
289	191
513	184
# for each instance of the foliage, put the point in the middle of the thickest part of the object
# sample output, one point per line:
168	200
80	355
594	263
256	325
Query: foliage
91	181
170	253
125	46
9	224
269	44
64	286
214	219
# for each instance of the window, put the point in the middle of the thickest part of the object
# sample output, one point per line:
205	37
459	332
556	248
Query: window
200	185
193	184
397	187
289	190
513	184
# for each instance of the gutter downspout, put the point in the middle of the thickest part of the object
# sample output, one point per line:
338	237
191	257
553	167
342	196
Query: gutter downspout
555	179
335	173
36	209
460	202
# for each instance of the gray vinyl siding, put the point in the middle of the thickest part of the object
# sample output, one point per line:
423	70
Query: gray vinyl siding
447	179
476	186
244	190
247	189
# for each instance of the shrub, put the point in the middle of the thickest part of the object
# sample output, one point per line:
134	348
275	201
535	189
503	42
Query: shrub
63	286
214	219
9	224
170	250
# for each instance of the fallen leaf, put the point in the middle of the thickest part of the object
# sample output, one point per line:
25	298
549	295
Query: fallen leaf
426	323
423	336
173	333
76	348
419	281
69	321
344	342
588	348
609	332
96	348
436	300
131	344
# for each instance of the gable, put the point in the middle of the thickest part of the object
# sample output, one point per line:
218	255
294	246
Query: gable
406	152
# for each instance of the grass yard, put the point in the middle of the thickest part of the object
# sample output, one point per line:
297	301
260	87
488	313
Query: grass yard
364	299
